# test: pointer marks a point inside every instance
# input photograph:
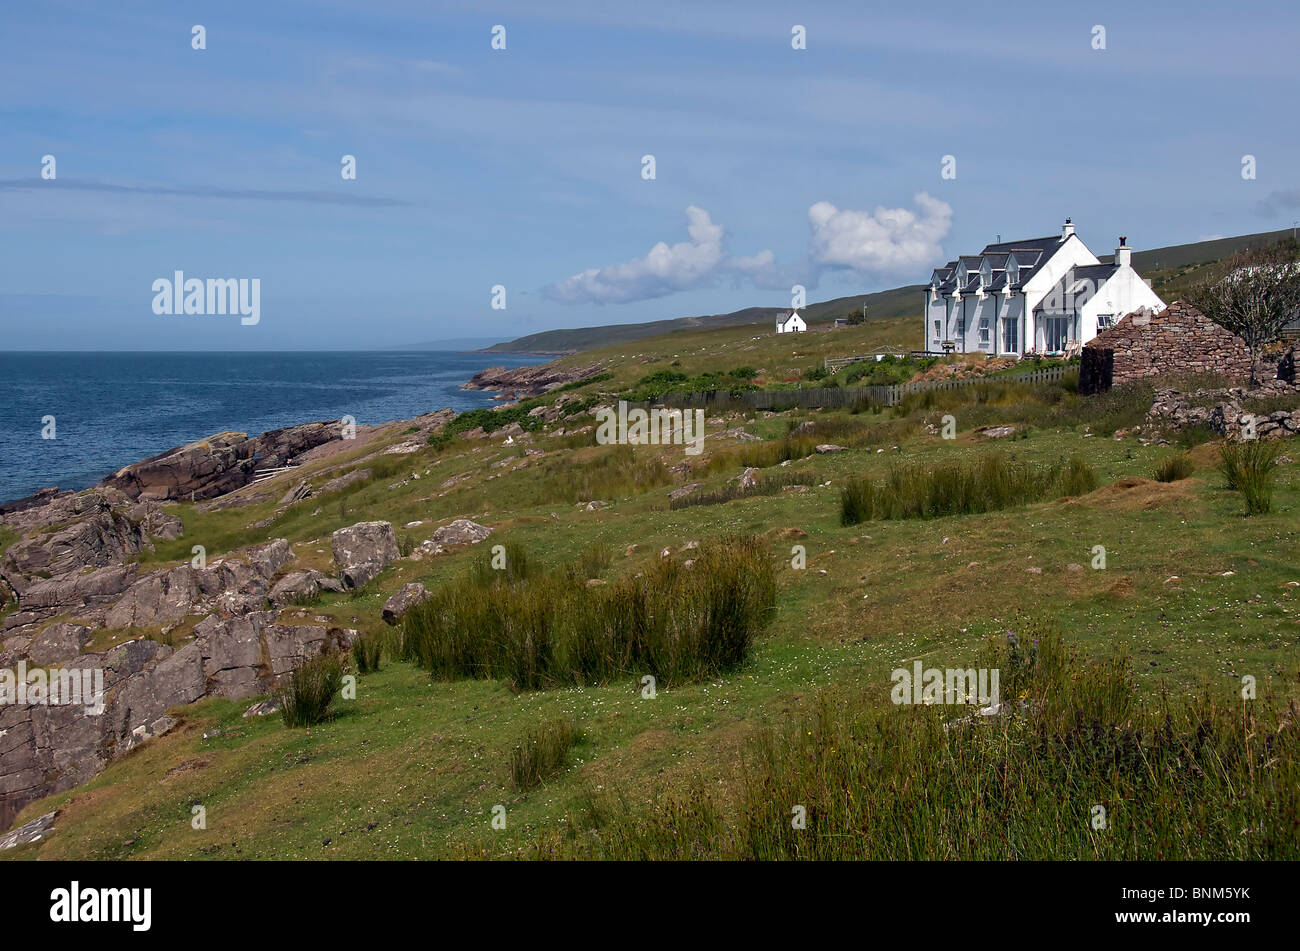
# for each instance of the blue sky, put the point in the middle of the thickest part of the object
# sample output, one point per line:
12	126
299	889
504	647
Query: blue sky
523	167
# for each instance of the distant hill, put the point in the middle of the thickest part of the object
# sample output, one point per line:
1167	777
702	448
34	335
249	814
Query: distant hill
895	302
1201	252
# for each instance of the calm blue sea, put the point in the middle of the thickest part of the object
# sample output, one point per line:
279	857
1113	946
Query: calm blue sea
112	409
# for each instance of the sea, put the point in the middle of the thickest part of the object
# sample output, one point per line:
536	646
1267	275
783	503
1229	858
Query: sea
112	409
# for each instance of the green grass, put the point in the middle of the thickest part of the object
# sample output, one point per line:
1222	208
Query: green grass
1072	769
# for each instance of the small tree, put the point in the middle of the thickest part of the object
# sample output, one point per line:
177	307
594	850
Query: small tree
1254	295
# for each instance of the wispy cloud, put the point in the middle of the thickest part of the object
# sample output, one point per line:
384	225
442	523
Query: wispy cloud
204	191
663	270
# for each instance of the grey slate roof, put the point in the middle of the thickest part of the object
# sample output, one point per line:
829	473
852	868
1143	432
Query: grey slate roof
1050	243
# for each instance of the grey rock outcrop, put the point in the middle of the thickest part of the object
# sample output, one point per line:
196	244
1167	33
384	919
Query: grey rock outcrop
219	464
49	748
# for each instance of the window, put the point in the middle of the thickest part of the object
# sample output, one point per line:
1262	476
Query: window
984	331
1056	333
1104	321
1011	336
936	330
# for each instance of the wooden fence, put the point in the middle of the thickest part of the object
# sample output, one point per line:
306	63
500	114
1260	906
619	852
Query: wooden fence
839	397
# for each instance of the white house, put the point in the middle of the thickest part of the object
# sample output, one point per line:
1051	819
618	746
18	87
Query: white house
1040	295
792	324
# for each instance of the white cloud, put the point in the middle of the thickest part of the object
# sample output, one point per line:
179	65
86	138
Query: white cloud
886	241
664	270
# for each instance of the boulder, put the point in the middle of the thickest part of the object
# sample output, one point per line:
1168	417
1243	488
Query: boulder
343	481
363	550
263	708
301	586
685	490
299	492
395	608
30	832
460	532
748	479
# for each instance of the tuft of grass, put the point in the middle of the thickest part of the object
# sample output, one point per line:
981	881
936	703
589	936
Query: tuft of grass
1249	468
1174	468
987	484
308	698
541	754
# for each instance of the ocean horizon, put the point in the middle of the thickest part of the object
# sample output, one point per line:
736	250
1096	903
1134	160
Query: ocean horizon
113	408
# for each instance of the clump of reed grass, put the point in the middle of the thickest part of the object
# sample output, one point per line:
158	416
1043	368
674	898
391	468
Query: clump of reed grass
551	629
987	484
763	455
513	564
1249	468
541	754
595	559
308	698
366	654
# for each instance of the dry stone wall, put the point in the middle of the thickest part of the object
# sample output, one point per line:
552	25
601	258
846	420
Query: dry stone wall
1179	339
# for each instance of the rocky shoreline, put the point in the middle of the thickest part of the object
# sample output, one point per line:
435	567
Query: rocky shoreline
521	382
210	627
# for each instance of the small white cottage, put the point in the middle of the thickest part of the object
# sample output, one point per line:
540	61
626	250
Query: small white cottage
791	324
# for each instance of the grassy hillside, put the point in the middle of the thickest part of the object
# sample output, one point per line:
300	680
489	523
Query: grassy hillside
1124	680
1170	269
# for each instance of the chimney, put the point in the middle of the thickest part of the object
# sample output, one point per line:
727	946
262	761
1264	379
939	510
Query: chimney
1123	254
1067	229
